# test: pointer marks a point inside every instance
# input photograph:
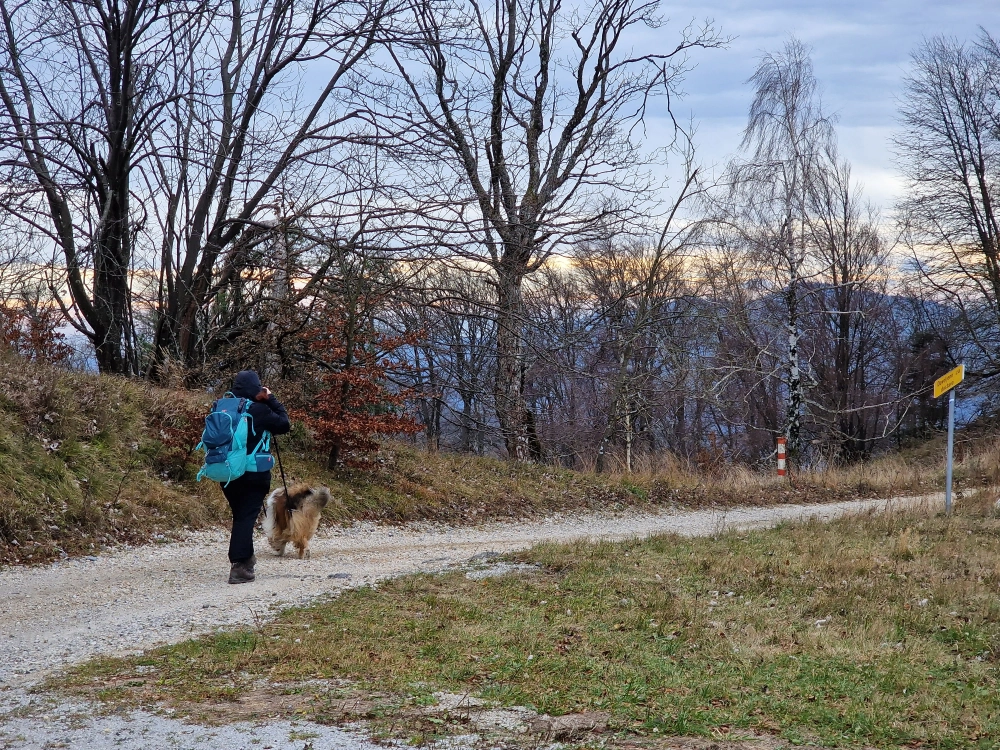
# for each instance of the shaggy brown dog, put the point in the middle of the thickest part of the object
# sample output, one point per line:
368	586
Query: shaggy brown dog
294	518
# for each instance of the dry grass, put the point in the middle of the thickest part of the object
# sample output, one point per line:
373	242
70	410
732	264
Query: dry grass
870	631
82	464
409	484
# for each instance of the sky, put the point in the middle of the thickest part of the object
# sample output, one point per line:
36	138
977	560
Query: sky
860	51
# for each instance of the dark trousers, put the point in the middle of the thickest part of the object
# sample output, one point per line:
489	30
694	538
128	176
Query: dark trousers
246	497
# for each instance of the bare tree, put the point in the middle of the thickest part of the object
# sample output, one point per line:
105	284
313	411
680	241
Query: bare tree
251	146
744	349
447	314
950	153
522	114
786	136
562	389
855	357
81	84
642	282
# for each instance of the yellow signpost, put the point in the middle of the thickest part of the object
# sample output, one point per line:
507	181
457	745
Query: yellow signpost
946	384
948	381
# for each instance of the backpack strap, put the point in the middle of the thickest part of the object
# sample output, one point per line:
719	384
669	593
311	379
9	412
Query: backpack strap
245	411
201	443
263	444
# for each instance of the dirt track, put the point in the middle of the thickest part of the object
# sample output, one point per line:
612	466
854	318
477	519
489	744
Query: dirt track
128	600
131	599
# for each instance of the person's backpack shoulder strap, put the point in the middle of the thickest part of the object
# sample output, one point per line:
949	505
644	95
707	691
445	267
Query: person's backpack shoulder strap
263	445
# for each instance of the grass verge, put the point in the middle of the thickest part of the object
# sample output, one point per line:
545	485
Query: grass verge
86	461
409	484
876	630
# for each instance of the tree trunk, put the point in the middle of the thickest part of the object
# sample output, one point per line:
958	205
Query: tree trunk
112	332
611	425
846	421
333	460
466	422
793	414
509	390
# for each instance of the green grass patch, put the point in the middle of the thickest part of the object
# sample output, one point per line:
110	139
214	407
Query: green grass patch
874	630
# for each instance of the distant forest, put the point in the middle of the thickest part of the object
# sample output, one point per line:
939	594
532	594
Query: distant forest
442	217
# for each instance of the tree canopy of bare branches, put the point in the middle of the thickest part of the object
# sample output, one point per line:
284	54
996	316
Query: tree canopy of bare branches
250	147
81	85
522	114
950	154
452	211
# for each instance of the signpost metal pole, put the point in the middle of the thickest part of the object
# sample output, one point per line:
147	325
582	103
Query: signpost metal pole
951	451
946	384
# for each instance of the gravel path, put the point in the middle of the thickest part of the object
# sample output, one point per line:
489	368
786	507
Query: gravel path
128	600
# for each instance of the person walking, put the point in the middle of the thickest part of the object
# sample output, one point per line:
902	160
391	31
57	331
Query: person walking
246	494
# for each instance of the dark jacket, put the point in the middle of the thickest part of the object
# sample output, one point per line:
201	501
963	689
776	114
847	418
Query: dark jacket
267	415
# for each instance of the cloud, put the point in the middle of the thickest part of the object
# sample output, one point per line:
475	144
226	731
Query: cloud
861	52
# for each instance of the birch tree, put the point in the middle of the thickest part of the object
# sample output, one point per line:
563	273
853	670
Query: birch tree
784	141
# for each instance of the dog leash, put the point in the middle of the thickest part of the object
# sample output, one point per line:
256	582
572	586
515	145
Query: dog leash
277	452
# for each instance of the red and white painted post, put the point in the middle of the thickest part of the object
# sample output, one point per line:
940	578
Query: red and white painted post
782	471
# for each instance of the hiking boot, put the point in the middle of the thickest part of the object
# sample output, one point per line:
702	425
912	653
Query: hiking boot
242	572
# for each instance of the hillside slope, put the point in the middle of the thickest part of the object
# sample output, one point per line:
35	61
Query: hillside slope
88	461
83	463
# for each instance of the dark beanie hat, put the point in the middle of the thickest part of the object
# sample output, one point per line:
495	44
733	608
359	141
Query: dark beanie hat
246	384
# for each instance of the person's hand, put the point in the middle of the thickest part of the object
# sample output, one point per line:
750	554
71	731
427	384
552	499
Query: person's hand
265	394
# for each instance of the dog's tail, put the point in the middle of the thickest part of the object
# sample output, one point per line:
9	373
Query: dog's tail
321	496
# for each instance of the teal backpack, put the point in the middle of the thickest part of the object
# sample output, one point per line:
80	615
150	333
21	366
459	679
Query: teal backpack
224	441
